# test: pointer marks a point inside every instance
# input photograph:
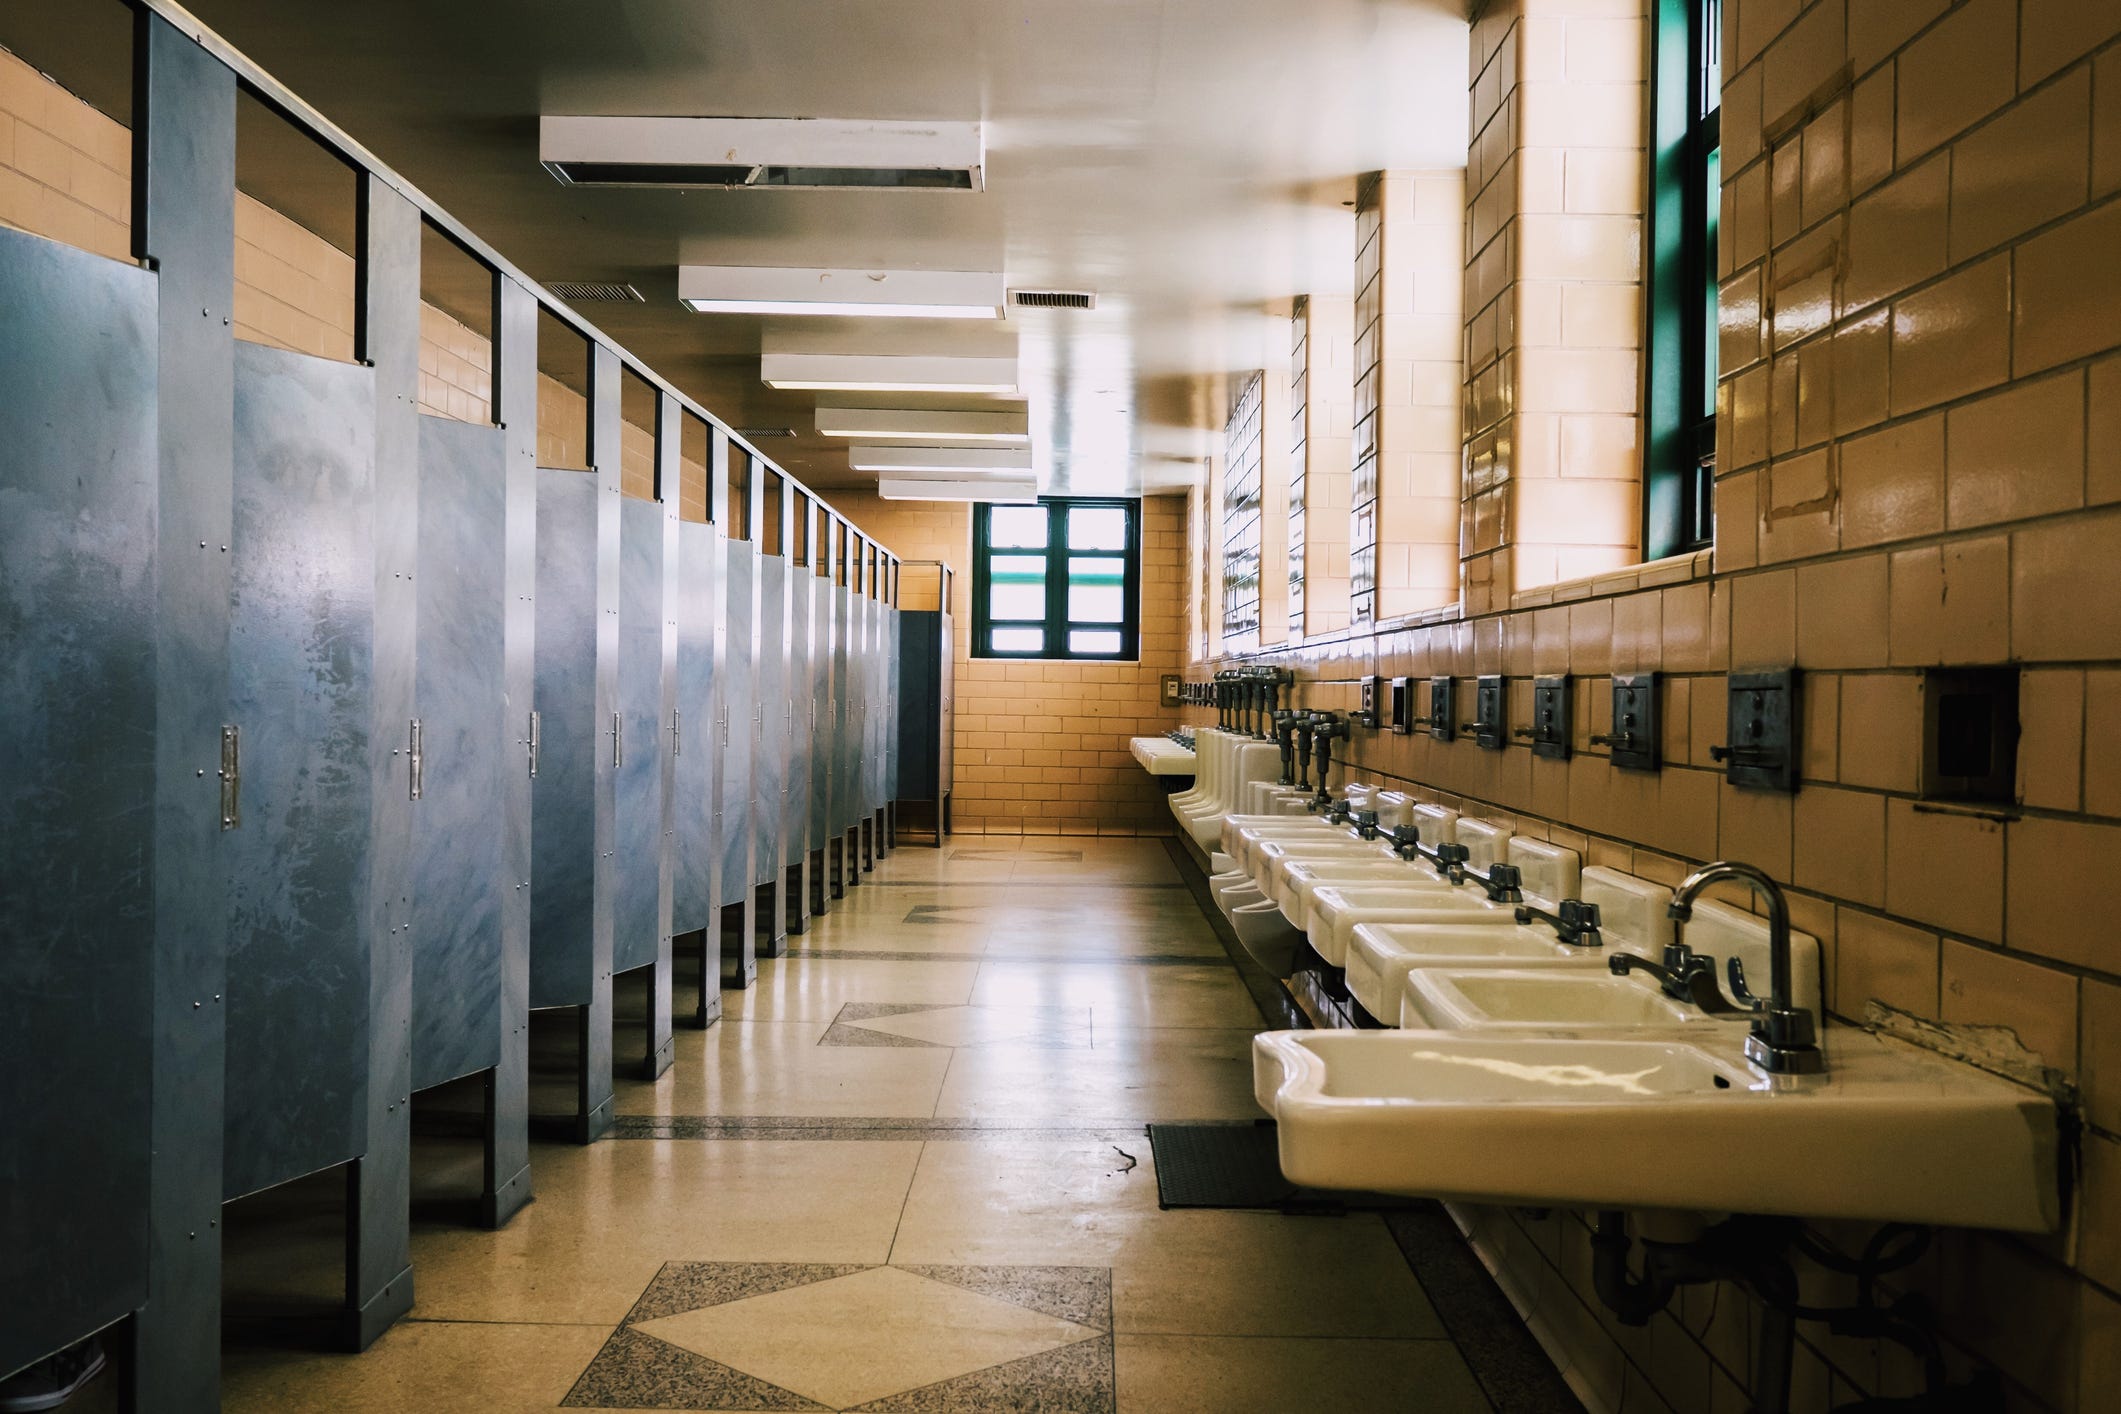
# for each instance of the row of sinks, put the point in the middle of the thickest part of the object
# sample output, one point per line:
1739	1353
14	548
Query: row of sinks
1520	1068
1161	756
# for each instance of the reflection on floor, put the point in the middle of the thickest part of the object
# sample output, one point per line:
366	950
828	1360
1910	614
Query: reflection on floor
907	1171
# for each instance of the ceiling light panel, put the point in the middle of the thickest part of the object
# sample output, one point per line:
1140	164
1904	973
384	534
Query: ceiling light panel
910	424
888	373
1012	491
940	459
897	294
827	153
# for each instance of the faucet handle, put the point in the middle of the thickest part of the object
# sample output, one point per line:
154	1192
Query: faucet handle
1578	914
1452	854
1735	970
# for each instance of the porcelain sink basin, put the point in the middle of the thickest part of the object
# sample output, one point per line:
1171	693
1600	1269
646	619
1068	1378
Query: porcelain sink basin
1381	956
1889	1133
1336	910
1307	876
1542	999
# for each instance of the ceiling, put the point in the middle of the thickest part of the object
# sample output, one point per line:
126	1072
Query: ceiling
1191	161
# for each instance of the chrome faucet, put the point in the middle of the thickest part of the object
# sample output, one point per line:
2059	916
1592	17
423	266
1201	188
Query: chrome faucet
1784	1040
1685	975
1573	921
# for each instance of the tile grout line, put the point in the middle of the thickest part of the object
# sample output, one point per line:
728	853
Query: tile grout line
905	1201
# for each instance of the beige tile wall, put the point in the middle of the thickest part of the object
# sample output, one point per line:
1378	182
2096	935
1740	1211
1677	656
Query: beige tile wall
1042	747
1326	336
1921	465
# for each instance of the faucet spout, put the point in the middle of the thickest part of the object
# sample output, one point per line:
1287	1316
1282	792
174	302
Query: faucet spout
1784	1039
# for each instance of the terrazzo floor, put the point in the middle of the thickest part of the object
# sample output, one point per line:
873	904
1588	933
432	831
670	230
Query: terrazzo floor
907	1171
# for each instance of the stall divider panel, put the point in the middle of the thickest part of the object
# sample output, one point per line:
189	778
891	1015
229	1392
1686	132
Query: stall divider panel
695	904
577	692
642	754
821	724
379	1281
795	790
739	686
507	1101
184	200
770	753
77	790
669	726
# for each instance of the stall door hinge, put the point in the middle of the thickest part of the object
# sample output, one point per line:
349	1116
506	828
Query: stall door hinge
418	759
231	777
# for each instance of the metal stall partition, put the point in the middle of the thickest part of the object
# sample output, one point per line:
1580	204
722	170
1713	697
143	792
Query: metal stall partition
573	886
865	683
310	642
894	627
769	751
694	802
795	786
736	732
879	700
640	754
844	755
821	723
78	749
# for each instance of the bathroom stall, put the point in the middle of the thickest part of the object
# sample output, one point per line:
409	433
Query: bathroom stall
578	742
643	726
795	790
694	803
735	725
824	728
770	716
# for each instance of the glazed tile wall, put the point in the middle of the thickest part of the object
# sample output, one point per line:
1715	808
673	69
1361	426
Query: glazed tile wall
1921	465
1323	427
1042	747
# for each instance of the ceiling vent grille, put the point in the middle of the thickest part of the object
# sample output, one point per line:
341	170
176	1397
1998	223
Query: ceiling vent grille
754	434
590	292
1052	299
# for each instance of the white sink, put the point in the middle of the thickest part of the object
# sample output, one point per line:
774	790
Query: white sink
1161	756
1336	909
1382	955
1542	999
1889	1134
1306	876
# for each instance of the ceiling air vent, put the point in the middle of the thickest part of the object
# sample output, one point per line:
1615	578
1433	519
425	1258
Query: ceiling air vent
590	292
817	153
754	434
1052	299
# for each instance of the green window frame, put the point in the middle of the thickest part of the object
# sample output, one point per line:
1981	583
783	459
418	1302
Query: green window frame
1044	578
1679	483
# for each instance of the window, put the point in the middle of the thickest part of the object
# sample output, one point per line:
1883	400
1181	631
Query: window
1685	195
1059	579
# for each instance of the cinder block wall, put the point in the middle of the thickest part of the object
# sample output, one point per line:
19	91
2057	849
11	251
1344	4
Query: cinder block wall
1919	464
1042	747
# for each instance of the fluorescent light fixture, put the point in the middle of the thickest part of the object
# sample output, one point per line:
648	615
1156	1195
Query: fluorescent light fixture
887	373
889	294
829	153
1013	491
939	459
914	424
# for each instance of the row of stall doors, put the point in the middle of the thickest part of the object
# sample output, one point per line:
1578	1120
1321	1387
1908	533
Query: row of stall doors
706	727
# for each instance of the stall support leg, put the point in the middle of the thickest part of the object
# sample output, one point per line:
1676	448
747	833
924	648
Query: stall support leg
507	1159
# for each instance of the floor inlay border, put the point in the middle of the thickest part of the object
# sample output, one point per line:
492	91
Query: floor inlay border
1041	959
906	1130
1034	1338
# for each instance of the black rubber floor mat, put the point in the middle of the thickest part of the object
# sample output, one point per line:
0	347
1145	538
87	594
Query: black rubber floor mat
1234	1164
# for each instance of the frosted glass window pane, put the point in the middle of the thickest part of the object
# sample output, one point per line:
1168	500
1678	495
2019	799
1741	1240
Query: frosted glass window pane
1096	603
1019	640
1016	527
1093	640
1097	528
1016	587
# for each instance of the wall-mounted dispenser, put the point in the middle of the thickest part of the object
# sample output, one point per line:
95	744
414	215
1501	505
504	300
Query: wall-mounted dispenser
1371	713
1970	734
1551	718
1443	720
1633	739
1761	753
1489	726
1403	695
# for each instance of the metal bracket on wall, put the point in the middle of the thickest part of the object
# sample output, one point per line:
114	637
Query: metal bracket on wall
1762	724
1488	726
1443	719
618	740
231	777
1636	733
531	743
417	774
677	745
1550	718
